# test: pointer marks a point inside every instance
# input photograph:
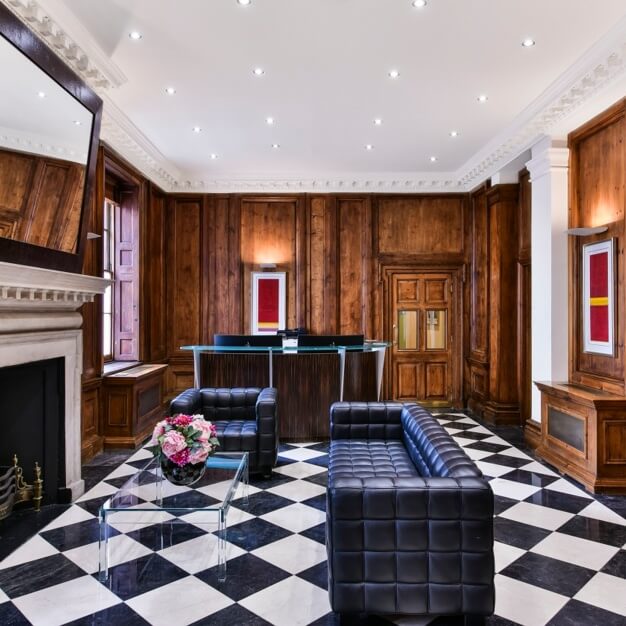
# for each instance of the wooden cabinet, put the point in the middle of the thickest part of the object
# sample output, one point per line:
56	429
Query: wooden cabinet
132	403
583	434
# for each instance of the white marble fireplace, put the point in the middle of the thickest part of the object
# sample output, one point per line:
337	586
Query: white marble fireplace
39	320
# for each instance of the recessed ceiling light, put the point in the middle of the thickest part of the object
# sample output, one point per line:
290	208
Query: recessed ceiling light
213	156
170	91
275	146
244	3
419	4
454	133
41	94
433	159
529	42
196	129
135	35
394	74
369	146
258	71
77	122
378	122
482	98
269	120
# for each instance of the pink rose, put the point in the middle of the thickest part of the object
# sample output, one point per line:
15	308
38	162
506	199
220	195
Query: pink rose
173	442
159	429
181	458
181	420
198	455
206	428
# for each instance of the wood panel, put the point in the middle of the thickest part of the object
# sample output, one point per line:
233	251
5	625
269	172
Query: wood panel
479	311
40	200
272	231
426	225
91	440
153	272
598	197
524	299
322	295
355	266
183	273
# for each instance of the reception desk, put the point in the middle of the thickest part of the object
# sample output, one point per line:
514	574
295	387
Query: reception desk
308	379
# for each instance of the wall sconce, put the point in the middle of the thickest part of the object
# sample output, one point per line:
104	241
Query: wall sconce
267	267
585	232
93	236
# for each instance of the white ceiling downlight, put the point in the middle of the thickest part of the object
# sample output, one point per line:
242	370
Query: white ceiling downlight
196	129
244	3
482	98
393	74
269	121
419	4
135	35
213	156
529	42
454	133
275	146
258	71
170	91
378	121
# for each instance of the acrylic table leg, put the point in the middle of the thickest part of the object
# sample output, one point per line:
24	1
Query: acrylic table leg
221	547
245	483
104	548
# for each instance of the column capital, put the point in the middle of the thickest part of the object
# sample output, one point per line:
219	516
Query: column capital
548	156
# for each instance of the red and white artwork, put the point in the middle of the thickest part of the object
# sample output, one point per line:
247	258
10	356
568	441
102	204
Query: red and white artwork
268	302
598	297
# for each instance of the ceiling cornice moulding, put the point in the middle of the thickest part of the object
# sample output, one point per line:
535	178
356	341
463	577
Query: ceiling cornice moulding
601	65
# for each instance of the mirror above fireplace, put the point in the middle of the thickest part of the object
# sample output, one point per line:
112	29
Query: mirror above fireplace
49	128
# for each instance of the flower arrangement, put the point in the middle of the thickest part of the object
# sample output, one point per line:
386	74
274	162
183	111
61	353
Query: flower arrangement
184	439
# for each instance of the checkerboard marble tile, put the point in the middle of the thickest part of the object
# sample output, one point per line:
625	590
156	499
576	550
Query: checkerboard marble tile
560	554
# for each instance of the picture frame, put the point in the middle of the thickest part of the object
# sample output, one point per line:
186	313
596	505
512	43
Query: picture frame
598	298
269	302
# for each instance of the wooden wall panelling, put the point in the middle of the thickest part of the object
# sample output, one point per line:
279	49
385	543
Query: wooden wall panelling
322	297
502	405
524	380
477	363
598	197
153	276
354	280
273	230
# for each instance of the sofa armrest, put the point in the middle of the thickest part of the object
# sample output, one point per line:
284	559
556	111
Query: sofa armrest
267	426
366	420
188	403
406	540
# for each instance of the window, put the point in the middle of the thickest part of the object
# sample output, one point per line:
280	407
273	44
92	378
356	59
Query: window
108	240
120	255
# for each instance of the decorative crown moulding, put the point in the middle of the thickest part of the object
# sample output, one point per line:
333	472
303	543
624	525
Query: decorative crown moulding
594	71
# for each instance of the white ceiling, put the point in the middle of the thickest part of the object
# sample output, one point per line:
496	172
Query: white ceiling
326	64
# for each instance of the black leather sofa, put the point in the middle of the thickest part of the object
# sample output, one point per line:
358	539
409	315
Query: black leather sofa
246	419
409	526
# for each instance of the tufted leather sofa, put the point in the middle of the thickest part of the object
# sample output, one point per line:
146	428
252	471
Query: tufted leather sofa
246	419
409	526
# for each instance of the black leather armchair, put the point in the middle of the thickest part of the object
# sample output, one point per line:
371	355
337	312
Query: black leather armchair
246	419
409	516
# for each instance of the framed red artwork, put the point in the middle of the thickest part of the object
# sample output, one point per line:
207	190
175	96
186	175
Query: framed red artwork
598	298
268	302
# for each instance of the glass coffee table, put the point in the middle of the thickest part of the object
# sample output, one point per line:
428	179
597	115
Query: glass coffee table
148	498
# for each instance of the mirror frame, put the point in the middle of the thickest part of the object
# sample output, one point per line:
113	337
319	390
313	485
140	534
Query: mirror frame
14	251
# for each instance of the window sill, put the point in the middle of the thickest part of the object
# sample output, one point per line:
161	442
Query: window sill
113	367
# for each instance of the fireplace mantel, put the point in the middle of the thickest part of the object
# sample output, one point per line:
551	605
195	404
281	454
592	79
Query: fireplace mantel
39	319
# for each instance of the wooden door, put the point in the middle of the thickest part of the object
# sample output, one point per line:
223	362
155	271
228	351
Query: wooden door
423	319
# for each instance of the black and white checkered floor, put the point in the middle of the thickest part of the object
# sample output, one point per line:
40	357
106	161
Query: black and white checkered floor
560	554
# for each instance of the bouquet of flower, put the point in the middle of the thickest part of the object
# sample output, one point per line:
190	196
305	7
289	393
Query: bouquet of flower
184	439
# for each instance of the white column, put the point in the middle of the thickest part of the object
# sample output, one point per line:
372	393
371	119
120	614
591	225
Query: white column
548	169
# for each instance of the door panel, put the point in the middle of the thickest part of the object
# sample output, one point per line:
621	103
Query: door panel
422	311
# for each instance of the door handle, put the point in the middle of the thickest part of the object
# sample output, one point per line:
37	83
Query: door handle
395	335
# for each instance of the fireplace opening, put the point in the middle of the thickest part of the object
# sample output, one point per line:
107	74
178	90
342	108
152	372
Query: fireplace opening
32	414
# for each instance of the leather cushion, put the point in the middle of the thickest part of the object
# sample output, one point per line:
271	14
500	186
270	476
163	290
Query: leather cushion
353	458
236	435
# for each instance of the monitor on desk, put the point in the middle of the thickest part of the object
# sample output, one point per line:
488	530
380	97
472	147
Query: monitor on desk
251	341
322	341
